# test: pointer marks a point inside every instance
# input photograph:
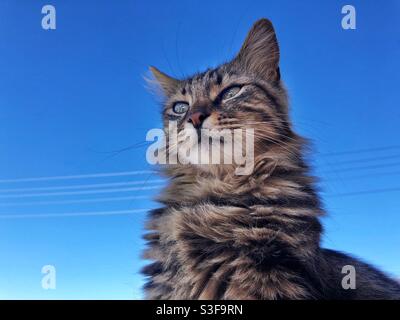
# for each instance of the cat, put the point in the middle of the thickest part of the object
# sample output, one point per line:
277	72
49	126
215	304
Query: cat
219	235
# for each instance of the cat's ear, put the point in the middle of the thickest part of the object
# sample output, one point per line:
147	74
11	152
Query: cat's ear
260	51
166	83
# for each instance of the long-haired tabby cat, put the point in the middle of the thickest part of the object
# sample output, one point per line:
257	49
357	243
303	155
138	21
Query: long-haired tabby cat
219	235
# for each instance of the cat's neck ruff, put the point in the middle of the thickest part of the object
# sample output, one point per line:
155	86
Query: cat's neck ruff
274	181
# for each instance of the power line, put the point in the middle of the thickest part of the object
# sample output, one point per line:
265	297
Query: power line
362	168
373	191
95	200
95	175
104	213
126	212
50	194
363	176
365	160
83	186
72	214
338	153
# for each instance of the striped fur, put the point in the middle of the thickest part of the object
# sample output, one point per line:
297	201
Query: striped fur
218	235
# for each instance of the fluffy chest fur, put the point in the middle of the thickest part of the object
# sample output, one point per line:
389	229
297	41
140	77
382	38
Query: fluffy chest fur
217	239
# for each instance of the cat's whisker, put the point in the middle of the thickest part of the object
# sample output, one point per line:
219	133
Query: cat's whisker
286	147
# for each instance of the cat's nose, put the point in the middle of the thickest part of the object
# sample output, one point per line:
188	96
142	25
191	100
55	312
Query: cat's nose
197	118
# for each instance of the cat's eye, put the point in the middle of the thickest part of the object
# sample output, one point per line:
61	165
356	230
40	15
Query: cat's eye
180	107
230	92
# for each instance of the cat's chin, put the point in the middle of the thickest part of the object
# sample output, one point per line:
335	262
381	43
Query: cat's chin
219	158
217	170
220	170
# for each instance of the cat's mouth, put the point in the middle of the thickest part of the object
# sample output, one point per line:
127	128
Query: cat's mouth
211	138
204	139
210	141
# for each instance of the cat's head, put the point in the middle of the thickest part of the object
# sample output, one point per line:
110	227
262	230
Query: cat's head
245	93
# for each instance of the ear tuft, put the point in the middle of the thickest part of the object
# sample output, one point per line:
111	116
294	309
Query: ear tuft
167	83
260	51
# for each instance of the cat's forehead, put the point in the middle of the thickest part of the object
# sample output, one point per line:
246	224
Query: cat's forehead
206	84
203	81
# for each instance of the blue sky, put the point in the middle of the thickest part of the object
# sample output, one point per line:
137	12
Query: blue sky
70	97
